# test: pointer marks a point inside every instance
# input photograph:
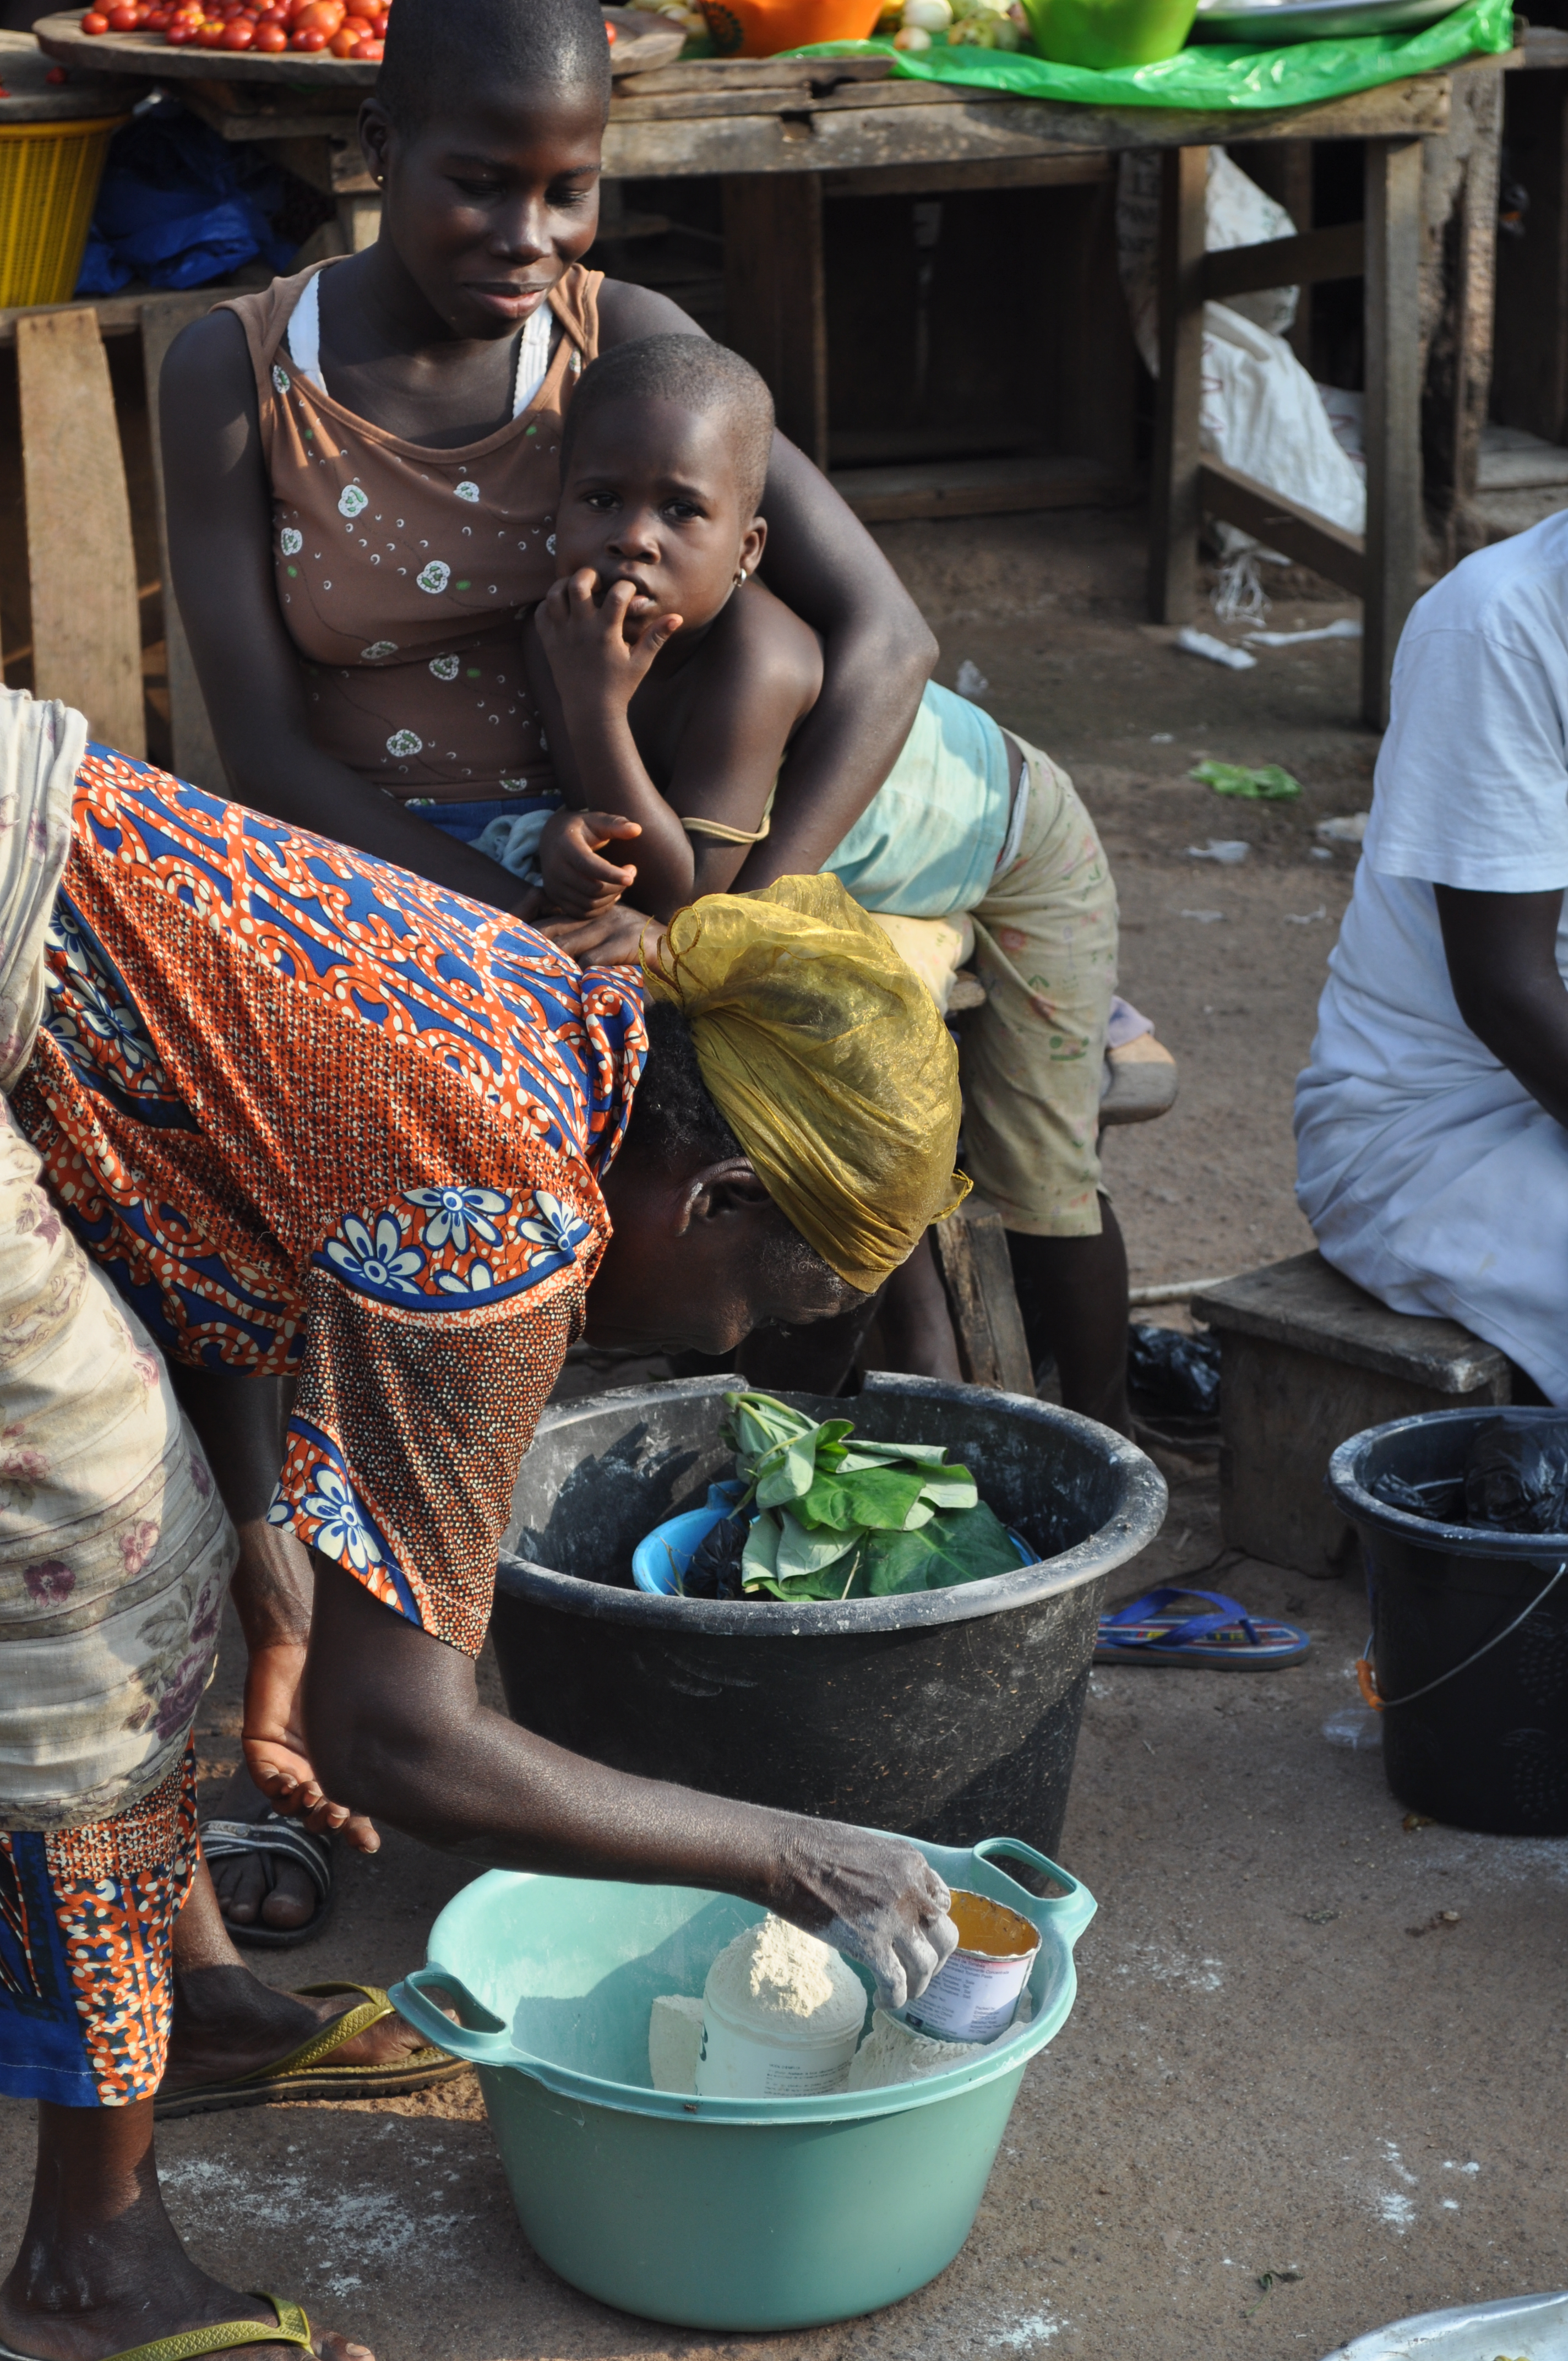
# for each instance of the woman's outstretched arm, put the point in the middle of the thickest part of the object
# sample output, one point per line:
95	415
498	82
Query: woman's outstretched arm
877	649
220	553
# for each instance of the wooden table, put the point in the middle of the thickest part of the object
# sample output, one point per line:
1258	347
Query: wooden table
782	135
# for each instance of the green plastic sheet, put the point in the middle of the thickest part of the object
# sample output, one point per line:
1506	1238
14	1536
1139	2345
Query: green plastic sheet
1211	77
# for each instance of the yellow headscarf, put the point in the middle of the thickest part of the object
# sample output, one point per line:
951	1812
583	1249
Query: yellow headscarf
825	1055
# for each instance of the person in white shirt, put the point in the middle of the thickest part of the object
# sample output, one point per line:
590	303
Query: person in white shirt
1432	1120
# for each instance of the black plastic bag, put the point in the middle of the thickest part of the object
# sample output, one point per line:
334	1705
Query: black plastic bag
1516	1479
713	1569
1172	1375
1442	1501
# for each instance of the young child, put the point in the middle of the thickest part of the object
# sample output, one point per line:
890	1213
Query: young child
671	683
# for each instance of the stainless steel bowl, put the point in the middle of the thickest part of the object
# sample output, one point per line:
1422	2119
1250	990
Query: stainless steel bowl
1262	24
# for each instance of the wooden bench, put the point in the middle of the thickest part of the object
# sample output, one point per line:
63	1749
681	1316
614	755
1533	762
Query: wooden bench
1307	1360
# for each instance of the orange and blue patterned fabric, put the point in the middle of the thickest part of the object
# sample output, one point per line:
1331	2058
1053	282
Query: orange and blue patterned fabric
86	1925
314	1113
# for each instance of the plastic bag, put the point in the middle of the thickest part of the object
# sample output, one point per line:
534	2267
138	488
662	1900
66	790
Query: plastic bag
1516	1477
1441	1503
1266	784
177	207
1172	1374
1236	212
1214	76
1259	409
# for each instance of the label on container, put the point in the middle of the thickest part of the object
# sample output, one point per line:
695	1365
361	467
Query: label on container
971	1998
782	2082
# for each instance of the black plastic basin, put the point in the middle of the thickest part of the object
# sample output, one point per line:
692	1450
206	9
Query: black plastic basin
946	1715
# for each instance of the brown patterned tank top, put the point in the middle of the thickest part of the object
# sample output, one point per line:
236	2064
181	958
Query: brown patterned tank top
403	574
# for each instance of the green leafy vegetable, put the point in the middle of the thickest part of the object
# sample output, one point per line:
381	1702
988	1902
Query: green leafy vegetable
878	1496
962	1547
840	1519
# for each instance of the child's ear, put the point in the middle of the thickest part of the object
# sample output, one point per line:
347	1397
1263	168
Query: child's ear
754	541
375	130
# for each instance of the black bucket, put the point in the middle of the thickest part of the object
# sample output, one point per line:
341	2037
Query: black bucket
938	1714
1470	1637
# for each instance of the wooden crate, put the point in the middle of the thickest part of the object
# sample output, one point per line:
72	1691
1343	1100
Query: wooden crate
1307	1359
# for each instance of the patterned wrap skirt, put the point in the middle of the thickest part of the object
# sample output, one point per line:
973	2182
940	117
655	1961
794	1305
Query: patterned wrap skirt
114	1555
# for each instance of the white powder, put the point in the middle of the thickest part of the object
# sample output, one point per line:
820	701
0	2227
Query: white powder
892	2052
773	1969
674	2037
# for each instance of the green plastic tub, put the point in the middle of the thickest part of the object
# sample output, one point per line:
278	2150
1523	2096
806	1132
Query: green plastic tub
1108	33
715	2214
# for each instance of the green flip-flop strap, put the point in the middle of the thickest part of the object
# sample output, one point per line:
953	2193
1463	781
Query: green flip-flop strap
342	2030
228	2335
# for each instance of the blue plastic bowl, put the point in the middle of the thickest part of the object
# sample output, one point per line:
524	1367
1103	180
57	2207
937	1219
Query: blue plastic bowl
662	1556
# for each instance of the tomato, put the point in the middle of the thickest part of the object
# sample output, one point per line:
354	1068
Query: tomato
320	17
379	25
238	33
57	74
210	33
123	20
271	39
370	51
180	32
308	40
93	23
157	20
609	32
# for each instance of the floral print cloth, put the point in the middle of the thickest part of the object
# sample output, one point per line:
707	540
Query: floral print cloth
86	1934
404	572
312	1114
115	1549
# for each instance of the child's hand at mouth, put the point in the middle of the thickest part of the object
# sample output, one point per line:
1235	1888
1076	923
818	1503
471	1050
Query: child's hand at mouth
600	644
577	883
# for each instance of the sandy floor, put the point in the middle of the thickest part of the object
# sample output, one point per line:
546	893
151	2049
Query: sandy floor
1288	2105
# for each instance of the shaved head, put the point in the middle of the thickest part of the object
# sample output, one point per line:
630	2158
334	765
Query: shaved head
441	53
695	374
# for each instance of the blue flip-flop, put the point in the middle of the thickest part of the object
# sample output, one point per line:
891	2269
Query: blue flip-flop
1146	1633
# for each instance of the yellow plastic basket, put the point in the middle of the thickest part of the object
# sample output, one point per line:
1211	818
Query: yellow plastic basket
48	184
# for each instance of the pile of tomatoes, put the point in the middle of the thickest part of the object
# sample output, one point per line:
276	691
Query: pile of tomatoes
268	25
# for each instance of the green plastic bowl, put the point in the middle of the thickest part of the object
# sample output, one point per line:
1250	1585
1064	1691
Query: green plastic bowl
715	2214
1104	33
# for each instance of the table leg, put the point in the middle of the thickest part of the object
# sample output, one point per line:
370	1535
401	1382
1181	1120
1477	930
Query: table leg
774	295
1393	420
1173	509
80	557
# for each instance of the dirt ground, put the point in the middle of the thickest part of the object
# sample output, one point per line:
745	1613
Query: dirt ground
1295	2099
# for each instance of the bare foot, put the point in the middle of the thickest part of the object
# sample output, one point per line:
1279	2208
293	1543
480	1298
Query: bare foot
101	2269
265	1887
227	2023
102	2330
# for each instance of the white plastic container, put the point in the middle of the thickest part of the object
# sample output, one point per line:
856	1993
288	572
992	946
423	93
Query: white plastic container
975	1995
754	2048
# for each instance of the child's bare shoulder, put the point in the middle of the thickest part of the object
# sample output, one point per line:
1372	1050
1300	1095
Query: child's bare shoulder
769	645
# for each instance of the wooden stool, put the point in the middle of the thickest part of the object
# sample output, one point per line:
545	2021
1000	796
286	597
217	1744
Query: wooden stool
976	1271
1307	1359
